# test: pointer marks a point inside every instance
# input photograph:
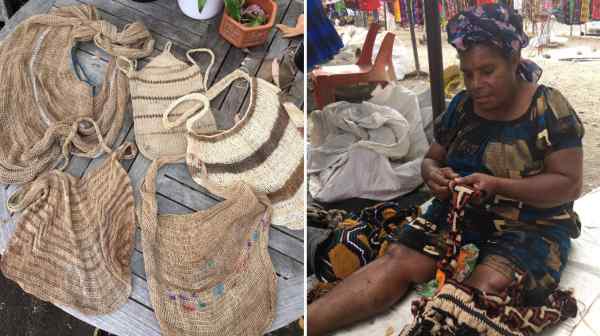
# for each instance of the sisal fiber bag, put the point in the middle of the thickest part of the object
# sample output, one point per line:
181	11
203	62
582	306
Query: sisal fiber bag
41	94
263	149
153	88
209	272
74	239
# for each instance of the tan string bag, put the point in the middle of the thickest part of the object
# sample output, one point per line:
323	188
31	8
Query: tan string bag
209	272
74	239
263	149
153	88
41	94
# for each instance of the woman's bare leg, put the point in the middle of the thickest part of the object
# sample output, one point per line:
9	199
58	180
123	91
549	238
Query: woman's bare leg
488	280
370	290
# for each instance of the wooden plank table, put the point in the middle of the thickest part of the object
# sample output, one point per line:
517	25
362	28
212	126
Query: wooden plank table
177	192
4	11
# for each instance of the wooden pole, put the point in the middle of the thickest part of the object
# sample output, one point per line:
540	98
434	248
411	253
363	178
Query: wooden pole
412	36
385	14
434	54
571	10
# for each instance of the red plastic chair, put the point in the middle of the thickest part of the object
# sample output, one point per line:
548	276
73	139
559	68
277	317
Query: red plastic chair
327	78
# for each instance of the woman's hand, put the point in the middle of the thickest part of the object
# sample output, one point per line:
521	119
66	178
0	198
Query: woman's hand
485	184
438	180
559	182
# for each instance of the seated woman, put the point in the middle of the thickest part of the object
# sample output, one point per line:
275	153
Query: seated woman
517	142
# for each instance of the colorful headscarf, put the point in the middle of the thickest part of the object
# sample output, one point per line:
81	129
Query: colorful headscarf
493	23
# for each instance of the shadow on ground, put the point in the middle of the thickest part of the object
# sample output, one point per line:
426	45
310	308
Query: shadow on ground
23	315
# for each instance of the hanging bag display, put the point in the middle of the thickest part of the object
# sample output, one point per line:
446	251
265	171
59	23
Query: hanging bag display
209	272
73	242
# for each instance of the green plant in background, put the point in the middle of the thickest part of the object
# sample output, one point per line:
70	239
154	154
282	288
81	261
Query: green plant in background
234	9
250	16
201	4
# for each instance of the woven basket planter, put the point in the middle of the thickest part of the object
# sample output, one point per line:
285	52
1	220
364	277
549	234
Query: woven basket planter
244	37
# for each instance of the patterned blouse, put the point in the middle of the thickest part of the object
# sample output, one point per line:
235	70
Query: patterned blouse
512	149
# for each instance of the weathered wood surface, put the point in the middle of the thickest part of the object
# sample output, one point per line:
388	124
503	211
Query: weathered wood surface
176	191
4	10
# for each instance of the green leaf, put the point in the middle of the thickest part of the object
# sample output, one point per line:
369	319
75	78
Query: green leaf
256	21
234	9
250	20
201	4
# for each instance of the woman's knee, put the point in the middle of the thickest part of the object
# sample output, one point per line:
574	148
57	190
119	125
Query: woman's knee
409	265
489	280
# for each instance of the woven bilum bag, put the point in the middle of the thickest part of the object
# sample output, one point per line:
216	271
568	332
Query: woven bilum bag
209	272
263	148
41	92
74	239
153	88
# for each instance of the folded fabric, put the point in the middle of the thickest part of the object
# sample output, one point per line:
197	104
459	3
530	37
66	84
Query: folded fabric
358	240
362	150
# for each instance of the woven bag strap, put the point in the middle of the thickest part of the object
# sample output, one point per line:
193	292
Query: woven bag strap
218	87
134	41
36	189
200	176
72	136
168	46
210	64
26	195
126	151
148	186
149	182
127	66
203	105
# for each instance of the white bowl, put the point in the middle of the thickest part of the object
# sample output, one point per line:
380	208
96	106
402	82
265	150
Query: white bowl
190	8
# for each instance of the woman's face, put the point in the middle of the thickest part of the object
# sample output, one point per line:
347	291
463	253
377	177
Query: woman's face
490	78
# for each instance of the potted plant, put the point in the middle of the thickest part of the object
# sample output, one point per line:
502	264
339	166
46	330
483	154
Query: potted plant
200	9
246	23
